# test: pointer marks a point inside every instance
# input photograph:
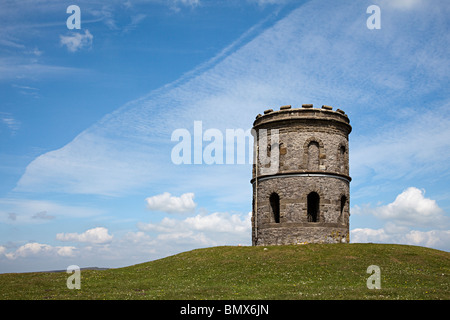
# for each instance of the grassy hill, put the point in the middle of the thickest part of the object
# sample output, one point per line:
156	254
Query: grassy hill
313	271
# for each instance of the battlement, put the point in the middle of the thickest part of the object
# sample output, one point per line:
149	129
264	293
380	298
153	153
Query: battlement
306	111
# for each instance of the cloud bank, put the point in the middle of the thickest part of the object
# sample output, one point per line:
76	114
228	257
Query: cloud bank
152	240
410	219
35	249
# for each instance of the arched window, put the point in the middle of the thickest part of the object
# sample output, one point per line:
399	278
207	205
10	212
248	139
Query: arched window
313	155
313	207
275	206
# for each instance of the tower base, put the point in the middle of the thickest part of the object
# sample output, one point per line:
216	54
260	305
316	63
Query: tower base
298	233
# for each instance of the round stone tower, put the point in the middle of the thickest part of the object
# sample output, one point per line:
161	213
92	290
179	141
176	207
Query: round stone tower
301	182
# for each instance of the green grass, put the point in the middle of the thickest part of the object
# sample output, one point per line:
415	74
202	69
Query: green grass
313	271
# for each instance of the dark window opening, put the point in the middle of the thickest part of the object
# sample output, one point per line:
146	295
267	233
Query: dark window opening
313	207
275	207
343	202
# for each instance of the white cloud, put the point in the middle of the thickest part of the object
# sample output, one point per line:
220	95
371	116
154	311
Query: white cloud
207	229
410	208
410	219
77	41
138	237
362	235
151	241
438	239
432	238
40	250
214	222
171	204
219	222
97	235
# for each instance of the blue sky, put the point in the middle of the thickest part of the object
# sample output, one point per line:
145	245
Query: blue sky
86	118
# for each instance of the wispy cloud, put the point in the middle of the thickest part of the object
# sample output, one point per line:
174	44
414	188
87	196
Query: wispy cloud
7	120
42	215
316	54
407	146
12	43
402	4
77	41
176	5
18	68
20	211
27	90
268	2
135	20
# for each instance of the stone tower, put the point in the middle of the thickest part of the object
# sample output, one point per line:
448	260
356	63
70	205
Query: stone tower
301	182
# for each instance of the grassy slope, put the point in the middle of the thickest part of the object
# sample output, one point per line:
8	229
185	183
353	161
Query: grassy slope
326	271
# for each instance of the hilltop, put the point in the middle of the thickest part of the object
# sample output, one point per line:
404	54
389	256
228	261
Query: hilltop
313	271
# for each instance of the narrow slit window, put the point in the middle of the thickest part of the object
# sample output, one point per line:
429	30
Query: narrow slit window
275	206
342	158
343	202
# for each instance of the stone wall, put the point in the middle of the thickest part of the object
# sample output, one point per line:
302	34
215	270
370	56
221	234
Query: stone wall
293	226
